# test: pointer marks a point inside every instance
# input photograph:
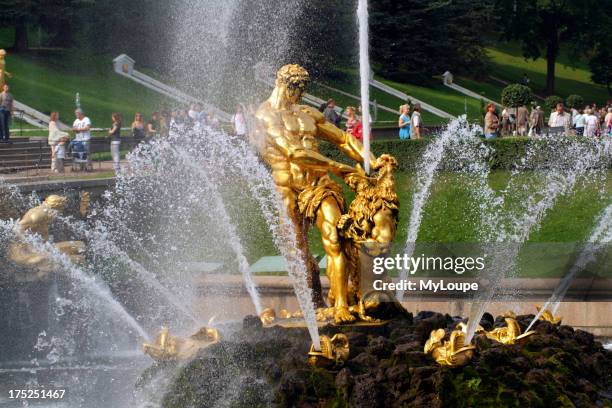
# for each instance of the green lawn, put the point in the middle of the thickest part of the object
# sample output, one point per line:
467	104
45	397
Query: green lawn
572	76
451	218
350	84
49	80
441	97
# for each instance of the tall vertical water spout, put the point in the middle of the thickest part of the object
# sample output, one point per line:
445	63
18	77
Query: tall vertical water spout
364	74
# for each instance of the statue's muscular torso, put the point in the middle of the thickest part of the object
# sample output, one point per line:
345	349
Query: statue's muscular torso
297	128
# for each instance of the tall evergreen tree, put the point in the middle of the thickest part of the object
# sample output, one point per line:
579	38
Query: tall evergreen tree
415	39
543	26
57	17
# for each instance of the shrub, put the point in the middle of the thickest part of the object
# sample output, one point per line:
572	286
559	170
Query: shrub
551	102
506	153
516	95
575	101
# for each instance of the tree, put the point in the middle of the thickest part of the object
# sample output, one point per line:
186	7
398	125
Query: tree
551	102
55	16
574	101
543	26
601	57
516	95
415	39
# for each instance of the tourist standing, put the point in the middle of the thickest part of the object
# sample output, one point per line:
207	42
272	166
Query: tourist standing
536	121
6	110
211	119
579	123
591	123
194	112
415	121
505	121
138	126
560	118
608	122
82	128
522	120
330	113
153	126
115	140
239	121
351	120
164	124
57	140
404	122
491	123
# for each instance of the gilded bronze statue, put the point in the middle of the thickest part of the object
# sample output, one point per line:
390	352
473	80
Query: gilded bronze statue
288	136
37	220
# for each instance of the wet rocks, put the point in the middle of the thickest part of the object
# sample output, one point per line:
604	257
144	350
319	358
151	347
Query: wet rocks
559	366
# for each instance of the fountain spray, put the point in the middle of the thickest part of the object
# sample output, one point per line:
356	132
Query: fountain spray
364	73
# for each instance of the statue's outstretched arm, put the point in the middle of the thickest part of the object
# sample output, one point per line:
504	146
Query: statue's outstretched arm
305	157
344	140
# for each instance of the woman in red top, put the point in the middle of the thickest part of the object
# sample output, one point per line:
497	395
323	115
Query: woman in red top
351	121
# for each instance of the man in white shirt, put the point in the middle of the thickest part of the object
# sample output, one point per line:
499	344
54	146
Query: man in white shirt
82	129
560	118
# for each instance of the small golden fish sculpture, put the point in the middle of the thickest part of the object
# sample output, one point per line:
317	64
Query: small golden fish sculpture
334	352
511	334
452	352
549	317
168	347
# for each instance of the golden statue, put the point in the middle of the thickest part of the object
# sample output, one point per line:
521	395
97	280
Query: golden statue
3	72
511	334
37	221
452	352
169	347
287	136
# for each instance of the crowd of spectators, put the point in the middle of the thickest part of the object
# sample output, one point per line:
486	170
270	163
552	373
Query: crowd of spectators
590	121
158	125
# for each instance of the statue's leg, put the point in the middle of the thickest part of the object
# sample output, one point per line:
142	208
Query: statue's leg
328	215
313	277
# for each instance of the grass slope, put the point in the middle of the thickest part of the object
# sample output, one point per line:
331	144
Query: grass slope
49	80
572	76
451	216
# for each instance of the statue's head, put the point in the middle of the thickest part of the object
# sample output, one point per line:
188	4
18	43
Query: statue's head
293	80
2	53
56	202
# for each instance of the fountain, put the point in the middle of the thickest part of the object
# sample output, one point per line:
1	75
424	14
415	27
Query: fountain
116	272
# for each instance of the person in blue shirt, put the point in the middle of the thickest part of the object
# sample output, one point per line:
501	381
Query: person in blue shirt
404	122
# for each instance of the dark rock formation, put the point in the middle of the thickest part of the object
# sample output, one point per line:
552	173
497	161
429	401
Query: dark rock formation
261	367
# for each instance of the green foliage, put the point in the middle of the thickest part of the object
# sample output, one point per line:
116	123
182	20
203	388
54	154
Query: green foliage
601	61
543	27
415	39
516	95
57	17
551	102
575	101
506	151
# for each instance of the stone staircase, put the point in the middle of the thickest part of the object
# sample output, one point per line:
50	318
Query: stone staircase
34	153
